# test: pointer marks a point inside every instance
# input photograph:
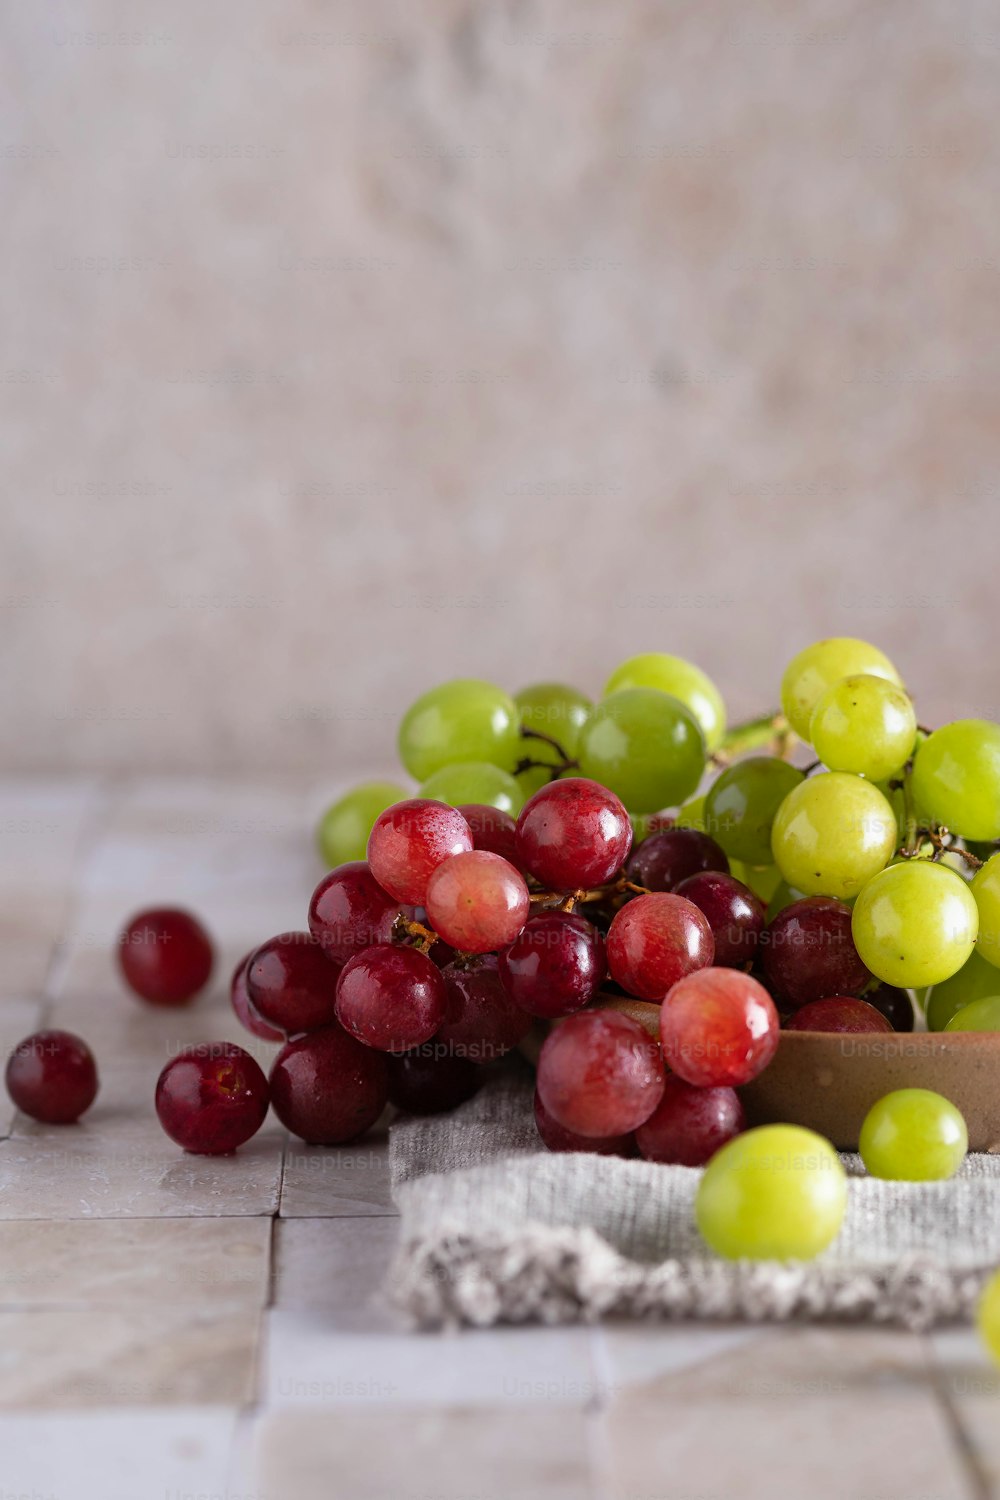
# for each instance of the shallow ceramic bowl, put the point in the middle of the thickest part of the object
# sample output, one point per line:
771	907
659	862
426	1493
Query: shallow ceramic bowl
829	1082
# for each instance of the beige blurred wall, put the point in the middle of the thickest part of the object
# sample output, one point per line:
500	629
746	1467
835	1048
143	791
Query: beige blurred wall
349	347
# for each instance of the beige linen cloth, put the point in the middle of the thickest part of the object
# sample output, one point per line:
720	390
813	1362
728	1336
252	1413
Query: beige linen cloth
497	1230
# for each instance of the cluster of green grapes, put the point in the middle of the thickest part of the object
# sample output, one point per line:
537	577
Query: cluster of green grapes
899	822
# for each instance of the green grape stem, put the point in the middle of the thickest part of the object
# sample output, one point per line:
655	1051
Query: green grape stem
769	731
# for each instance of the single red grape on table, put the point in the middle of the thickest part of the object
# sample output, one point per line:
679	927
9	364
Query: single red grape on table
600	1074
423	1082
573	834
292	984
654	941
327	1088
718	1027
477	902
391	997
52	1077
409	841
808	952
165	955
735	915
841	1013
481	1022
245	1012
663	860
492	829
555	966
690	1124
557	1138
211	1098
350	912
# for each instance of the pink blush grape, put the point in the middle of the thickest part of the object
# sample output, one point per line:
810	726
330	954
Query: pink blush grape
656	940
599	1074
477	902
409	841
718	1027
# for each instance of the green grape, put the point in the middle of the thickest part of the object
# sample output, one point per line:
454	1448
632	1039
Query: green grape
819	666
832	834
681	679
463	720
978	1015
866	725
742	802
783	895
956	778
915	924
475	781
645	746
778	1192
974	980
913	1135
988	1316
764	880
692	815
986	892
555	709
342	834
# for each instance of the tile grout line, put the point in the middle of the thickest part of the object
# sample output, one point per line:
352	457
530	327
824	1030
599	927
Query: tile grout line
976	1474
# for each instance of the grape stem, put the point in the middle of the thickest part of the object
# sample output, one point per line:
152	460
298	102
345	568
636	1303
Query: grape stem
405	927
769	731
567	763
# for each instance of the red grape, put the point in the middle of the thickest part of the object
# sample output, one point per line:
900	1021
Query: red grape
600	1074
481	1021
391	997
663	860
555	965
690	1124
557	1138
477	902
808	952
52	1077
492	829
291	983
350	911
735	915
211	1098
424	1083
409	841
327	1088
244	1008
838	1013
654	941
718	1027
165	955
573	834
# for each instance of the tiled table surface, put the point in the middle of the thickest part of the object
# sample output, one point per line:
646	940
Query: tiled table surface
175	1326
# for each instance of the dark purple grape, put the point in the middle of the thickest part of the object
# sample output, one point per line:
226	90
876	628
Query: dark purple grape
735	915
423	1082
841	1013
555	965
481	1021
391	998
808	953
492	829
663	860
690	1124
895	1005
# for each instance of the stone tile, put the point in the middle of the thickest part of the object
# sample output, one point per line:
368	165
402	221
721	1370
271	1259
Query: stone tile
309	1359
240	856
18	1019
446	1454
970	1384
209	1263
100	1455
118	1163
126	1356
44	826
762	1419
338	1181
632	1353
336	1268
